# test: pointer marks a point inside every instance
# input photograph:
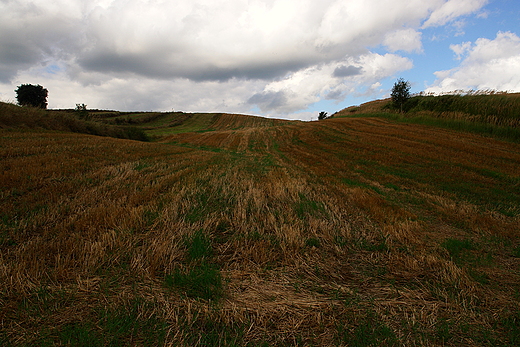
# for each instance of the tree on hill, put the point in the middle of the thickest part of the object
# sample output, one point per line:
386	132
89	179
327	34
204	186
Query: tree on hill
400	93
322	115
31	95
82	112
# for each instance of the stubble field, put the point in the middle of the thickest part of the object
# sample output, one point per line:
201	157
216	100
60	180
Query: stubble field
243	231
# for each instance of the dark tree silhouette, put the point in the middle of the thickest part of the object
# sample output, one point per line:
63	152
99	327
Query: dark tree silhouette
400	93
82	112
31	95
322	115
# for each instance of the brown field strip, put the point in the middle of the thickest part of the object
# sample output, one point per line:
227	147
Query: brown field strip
349	231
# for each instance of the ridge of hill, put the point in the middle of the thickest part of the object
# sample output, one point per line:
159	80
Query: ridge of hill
493	114
141	126
17	117
158	125
231	230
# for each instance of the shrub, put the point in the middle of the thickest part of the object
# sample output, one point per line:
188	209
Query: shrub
81	111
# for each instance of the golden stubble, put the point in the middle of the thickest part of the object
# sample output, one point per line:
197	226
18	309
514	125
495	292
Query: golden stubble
305	227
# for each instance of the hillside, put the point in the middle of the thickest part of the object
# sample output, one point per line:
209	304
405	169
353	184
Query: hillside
231	230
495	114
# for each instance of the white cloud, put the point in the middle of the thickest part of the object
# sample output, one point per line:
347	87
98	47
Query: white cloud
280	55
461	49
305	87
137	92
408	40
487	64
451	9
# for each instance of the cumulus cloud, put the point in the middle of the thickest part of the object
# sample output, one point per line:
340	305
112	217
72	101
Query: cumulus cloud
269	100
346	71
408	40
277	55
330	81
452	9
486	64
461	49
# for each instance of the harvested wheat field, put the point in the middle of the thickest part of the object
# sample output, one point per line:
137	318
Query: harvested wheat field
241	231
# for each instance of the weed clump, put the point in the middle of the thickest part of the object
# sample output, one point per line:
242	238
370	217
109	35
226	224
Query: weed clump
202	278
202	281
457	247
370	331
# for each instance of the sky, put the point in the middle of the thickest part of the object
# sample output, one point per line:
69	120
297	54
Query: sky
273	58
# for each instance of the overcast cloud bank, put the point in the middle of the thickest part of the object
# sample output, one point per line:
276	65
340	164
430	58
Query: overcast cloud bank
270	57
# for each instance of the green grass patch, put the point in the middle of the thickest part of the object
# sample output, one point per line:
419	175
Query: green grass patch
369	331
141	165
202	281
373	246
7	223
479	276
211	332
511	328
132	324
357	183
201	278
312	242
201	147
122	323
306	207
198	246
185	123
456	248
198	210
497	131
502	196
81	335
443	331
205	202
150	216
467	253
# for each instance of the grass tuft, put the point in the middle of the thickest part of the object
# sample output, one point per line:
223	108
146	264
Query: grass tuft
199	246
370	331
456	248
202	278
202	281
